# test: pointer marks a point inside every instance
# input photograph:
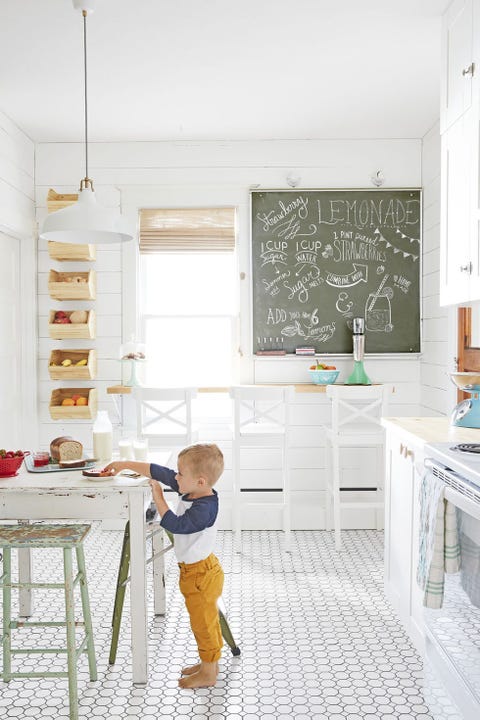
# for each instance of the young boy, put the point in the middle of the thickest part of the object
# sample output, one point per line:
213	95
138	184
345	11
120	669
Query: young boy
194	529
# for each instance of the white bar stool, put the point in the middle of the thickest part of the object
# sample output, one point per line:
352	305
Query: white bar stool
261	420
356	423
164	416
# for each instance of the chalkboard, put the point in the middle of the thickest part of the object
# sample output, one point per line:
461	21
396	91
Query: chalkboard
322	257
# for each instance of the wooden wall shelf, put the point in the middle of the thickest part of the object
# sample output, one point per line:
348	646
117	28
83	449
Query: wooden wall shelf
72	285
73	412
74	371
72	331
64	252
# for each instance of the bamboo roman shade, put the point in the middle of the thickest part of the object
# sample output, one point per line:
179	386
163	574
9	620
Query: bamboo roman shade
187	230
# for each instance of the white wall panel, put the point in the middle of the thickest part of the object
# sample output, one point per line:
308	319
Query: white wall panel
136	175
438	323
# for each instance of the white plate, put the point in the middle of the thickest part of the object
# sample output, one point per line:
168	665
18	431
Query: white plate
99	479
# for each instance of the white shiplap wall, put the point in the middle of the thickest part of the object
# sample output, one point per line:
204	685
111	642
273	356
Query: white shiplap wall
17	257
180	174
439	324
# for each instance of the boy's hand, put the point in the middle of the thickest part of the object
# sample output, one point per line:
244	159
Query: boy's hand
158	497
115	467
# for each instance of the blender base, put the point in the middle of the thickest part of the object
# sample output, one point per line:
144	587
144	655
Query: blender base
358	376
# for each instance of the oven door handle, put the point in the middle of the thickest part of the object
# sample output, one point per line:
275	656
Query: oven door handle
469	506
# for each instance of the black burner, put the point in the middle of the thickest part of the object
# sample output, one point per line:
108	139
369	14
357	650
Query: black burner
468	448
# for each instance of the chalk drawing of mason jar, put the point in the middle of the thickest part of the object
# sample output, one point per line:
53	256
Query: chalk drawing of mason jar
378	312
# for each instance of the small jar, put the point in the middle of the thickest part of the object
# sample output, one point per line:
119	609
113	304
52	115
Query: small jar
40	459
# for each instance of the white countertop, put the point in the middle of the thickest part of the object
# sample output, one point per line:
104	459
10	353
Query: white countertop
432	429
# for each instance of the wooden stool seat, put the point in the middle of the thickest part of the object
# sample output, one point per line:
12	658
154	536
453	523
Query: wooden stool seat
42	536
65	538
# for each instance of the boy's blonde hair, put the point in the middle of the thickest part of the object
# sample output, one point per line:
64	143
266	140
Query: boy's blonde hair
204	459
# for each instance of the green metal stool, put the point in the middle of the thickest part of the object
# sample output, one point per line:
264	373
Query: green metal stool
122	581
65	537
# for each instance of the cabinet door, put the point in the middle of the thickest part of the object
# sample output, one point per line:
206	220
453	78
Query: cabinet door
457	62
456	262
416	598
398	527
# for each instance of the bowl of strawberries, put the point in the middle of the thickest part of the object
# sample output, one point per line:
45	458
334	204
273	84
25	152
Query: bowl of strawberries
10	462
322	374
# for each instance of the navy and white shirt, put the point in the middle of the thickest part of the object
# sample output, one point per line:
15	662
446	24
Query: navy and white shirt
194	524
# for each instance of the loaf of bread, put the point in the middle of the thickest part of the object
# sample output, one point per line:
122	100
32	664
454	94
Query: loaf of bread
65	448
79	316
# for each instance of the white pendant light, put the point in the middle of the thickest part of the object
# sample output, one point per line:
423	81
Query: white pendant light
85	221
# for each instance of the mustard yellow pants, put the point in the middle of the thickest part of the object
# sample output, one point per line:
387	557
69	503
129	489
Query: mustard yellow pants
201	585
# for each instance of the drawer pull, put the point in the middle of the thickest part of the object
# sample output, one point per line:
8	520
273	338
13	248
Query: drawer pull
469	70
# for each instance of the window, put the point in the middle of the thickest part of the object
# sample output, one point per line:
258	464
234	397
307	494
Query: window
188	296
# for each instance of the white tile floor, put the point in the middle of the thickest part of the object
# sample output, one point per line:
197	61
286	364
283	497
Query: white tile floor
318	640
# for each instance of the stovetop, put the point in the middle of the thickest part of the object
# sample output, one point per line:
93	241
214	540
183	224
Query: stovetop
450	454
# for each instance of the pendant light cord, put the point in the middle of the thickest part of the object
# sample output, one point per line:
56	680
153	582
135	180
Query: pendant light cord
87	180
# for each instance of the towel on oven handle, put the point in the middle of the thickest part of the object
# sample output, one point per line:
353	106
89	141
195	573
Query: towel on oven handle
439	547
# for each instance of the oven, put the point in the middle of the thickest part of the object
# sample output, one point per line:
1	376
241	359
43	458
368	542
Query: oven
452	634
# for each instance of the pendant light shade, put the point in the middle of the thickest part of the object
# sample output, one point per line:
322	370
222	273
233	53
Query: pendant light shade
85	221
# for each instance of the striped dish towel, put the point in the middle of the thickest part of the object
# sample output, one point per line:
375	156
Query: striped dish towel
439	547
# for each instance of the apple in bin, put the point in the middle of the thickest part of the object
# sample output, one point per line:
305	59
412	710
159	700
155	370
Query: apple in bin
61	317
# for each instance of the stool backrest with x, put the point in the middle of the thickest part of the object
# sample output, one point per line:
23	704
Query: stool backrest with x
164	415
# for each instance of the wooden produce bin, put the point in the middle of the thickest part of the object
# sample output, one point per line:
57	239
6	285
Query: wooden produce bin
86	371
73	412
72	285
64	252
72	331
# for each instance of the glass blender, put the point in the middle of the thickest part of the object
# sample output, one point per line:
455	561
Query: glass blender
358	376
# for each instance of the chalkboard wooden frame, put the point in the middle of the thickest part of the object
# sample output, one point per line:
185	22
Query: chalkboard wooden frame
320	257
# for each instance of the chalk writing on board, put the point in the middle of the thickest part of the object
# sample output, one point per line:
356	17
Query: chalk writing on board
321	257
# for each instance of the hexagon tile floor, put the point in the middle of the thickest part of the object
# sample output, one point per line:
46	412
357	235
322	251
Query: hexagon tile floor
318	639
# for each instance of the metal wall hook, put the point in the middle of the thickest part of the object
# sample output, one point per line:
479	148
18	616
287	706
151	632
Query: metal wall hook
377	178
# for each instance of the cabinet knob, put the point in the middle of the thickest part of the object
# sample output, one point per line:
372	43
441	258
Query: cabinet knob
469	70
466	268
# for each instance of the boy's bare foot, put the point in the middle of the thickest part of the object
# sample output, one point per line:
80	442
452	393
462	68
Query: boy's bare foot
206	676
194	668
191	669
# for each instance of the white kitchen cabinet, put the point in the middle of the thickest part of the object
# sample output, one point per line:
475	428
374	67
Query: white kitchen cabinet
460	162
459	251
404	464
458	67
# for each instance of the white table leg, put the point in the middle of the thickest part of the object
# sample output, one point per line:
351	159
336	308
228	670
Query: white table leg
138	588
158	574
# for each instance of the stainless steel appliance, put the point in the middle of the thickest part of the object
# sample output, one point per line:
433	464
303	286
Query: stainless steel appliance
452	641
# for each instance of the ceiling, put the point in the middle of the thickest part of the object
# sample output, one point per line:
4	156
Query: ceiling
222	69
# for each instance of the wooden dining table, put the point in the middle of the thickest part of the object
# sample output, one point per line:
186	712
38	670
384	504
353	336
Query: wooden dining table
68	495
